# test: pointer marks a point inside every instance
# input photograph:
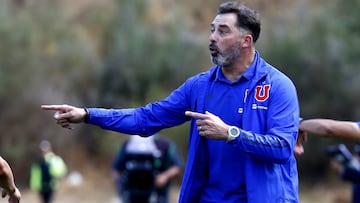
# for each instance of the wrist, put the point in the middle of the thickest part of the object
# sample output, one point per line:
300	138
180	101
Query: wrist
232	133
11	191
86	116
164	176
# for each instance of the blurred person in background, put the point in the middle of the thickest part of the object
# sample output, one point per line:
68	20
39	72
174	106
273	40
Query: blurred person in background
348	166
144	168
46	171
326	128
7	182
244	119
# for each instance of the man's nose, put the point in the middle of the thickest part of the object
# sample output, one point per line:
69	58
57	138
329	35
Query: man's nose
212	37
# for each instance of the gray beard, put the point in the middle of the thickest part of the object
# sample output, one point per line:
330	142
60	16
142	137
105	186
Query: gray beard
228	56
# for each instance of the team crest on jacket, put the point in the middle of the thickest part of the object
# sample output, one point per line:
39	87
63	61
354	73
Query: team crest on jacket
262	92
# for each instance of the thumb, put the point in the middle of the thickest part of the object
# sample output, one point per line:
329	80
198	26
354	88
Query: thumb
62	115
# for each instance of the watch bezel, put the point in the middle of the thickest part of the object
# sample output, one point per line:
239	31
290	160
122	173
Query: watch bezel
231	134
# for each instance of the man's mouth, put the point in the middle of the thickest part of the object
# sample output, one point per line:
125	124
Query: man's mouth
213	50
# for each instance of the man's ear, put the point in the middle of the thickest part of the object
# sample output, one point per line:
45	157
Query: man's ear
247	41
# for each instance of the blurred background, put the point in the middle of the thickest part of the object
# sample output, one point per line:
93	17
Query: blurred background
125	53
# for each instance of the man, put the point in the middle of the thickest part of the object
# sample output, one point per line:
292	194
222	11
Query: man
326	128
7	182
46	171
144	167
244	119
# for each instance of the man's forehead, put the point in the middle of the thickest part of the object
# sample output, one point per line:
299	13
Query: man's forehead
228	19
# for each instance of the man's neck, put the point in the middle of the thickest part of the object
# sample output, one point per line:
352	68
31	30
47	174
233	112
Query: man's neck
235	71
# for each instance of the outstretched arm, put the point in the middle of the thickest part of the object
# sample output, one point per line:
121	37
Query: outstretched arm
7	182
331	128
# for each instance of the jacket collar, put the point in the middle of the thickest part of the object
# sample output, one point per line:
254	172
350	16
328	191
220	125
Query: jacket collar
257	70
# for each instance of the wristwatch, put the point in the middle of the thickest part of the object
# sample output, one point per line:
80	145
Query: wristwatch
233	133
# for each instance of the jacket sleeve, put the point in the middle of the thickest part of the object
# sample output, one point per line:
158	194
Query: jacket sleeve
351	174
119	160
174	156
145	120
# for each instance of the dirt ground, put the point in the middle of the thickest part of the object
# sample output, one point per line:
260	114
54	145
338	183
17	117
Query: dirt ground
82	195
108	195
96	188
91	187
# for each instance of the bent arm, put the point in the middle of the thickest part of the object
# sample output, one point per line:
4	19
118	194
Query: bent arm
6	177
331	128
167	175
276	141
7	182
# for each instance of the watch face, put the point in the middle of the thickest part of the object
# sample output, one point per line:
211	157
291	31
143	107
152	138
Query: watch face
234	131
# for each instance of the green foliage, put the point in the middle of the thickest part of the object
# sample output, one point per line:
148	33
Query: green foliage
143	62
144	57
41	58
321	61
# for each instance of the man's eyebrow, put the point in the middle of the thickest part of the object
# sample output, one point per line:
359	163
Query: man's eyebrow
223	26
220	25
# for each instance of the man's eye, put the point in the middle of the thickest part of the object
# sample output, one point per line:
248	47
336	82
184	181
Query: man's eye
222	32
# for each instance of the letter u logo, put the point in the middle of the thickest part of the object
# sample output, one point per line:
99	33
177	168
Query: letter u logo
262	92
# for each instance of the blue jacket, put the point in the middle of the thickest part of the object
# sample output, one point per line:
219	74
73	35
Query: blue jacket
268	134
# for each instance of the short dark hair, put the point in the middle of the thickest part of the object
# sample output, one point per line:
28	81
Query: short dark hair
247	18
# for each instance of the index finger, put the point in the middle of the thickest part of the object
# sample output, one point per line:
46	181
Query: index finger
195	114
53	107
